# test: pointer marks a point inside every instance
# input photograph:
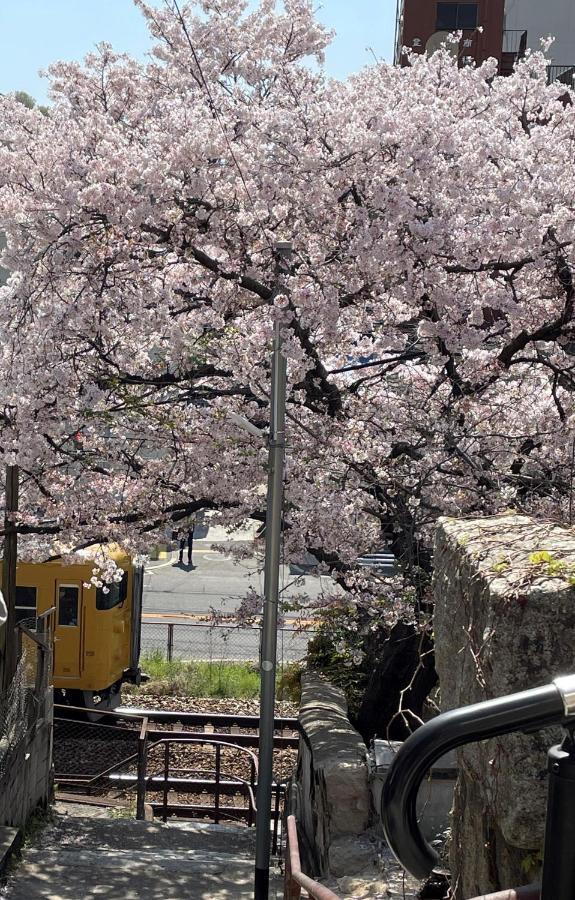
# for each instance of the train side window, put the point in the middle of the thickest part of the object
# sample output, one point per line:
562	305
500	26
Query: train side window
117	594
25	606
68	595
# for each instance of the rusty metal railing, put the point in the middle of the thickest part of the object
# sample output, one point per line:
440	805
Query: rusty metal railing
295	879
167	742
130	771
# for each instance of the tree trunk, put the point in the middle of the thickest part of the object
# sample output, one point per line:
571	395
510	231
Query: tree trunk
402	679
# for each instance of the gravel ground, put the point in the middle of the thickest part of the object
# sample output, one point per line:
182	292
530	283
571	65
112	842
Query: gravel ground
145	697
391	883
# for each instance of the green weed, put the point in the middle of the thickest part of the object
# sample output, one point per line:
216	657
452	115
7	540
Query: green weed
240	680
288	685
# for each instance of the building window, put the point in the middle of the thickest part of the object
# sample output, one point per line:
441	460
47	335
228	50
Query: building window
25	606
456	16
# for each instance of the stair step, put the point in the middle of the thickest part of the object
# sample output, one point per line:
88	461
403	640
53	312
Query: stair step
192	826
139	835
180	860
123	875
78	857
79	883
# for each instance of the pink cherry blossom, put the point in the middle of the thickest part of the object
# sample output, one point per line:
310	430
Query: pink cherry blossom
427	315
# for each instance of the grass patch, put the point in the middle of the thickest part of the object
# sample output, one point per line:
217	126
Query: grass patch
240	680
201	679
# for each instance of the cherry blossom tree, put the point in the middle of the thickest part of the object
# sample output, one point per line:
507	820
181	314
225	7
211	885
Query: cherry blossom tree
427	315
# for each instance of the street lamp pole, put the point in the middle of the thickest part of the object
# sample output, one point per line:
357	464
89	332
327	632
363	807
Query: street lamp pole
276	456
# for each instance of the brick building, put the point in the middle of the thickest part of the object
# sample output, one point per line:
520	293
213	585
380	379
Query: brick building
503	29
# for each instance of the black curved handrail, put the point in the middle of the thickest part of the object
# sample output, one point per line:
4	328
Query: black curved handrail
524	711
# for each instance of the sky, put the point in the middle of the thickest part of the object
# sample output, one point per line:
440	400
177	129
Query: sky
35	33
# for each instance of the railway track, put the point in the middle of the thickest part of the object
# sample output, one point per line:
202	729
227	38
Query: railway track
194	765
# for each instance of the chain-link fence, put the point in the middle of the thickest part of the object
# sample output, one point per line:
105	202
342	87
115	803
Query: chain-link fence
23	704
218	643
86	752
14	710
35	654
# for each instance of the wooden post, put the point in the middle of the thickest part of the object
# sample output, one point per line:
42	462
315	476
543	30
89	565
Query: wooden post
8	646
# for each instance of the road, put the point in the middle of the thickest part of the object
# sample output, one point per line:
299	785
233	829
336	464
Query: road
177	595
215	583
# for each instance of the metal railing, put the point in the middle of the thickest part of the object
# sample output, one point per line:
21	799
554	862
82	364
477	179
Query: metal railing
525	711
163	780
295	879
166	783
118	755
167	780
563	74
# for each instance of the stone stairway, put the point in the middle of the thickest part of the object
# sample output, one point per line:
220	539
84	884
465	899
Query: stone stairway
77	857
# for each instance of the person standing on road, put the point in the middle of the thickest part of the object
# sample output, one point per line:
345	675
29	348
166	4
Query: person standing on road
186	538
182	543
190	544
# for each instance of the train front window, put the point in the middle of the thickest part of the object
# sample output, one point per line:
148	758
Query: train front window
116	594
25	606
68	596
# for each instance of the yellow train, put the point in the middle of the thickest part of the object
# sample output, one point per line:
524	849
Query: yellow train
96	634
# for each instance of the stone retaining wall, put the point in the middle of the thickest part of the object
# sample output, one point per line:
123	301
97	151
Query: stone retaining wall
331	784
504	622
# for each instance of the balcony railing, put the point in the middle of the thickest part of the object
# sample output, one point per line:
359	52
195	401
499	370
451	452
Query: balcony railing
563	74
513	49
